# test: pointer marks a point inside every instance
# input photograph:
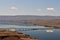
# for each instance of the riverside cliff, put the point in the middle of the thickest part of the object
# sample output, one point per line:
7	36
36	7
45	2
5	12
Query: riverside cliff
13	35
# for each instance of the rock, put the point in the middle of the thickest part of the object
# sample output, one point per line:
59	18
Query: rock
13	35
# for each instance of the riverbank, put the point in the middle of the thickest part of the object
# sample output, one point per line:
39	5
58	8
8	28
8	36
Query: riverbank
51	23
13	35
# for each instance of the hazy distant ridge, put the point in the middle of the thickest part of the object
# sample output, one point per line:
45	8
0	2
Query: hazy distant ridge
22	17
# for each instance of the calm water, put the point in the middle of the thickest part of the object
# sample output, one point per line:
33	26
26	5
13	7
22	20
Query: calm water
40	34
43	35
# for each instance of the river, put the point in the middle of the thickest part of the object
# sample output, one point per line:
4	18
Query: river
42	33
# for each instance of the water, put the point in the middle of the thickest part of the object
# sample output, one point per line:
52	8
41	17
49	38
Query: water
40	34
43	35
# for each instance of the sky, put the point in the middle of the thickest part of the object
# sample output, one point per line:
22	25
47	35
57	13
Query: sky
30	7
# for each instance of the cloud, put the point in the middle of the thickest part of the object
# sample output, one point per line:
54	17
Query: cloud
13	8
50	9
38	9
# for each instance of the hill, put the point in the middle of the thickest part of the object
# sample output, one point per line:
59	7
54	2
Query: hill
31	20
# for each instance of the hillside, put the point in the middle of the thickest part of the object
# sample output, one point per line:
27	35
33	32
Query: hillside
31	20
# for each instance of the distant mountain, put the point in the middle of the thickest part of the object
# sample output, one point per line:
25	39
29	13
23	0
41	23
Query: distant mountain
29	17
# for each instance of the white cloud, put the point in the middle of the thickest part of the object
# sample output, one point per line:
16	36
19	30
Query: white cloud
50	9
38	9
13	8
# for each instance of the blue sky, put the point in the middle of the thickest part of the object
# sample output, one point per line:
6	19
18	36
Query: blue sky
30	7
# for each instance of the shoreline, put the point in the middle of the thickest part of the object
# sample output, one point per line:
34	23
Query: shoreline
12	34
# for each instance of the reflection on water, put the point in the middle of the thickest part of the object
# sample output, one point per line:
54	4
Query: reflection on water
49	30
43	35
